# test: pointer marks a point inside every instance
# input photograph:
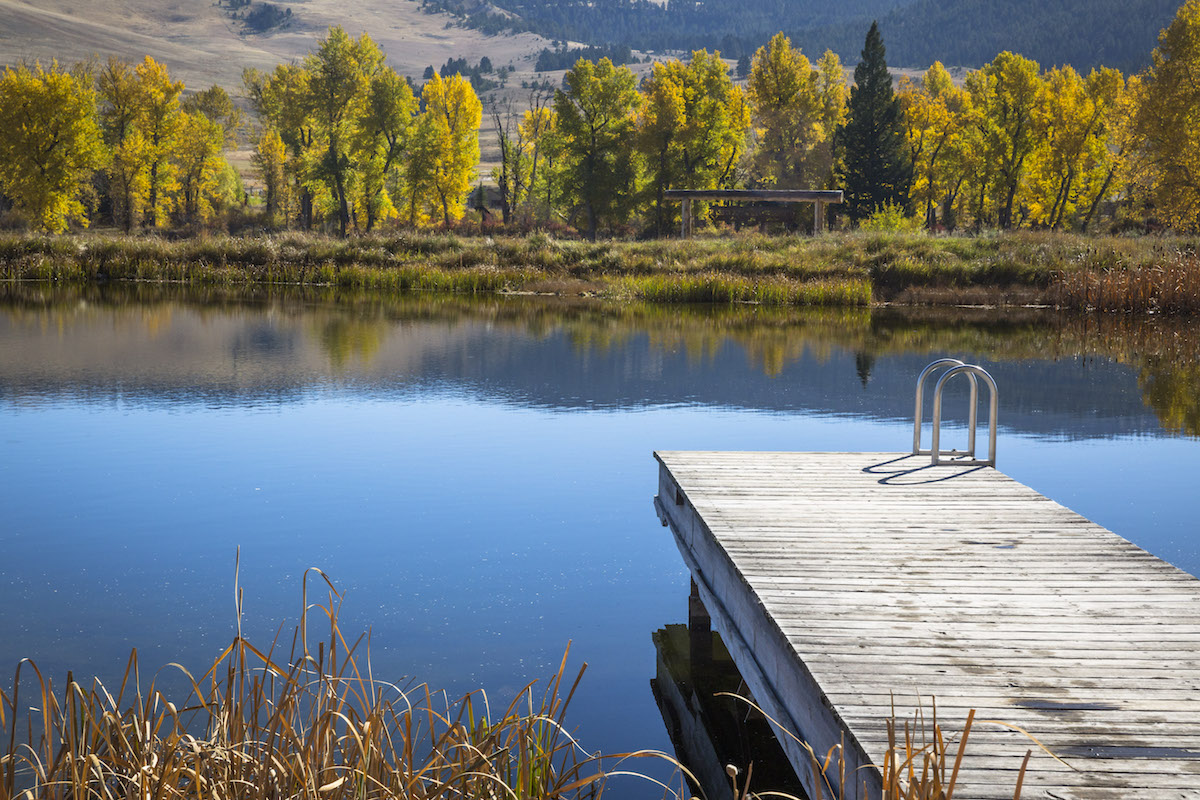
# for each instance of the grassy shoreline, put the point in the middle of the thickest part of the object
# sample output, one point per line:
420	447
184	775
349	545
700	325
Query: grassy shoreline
1147	274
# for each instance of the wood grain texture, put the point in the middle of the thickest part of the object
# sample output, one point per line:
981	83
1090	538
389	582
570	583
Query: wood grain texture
842	582
776	195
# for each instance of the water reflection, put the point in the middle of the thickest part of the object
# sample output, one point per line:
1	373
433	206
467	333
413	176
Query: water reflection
475	473
163	344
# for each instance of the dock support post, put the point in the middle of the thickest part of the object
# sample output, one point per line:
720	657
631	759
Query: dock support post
699	629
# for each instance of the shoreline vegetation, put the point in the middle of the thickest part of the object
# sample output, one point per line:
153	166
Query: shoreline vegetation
263	723
1149	274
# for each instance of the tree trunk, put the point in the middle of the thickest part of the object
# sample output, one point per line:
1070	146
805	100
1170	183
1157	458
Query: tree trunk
503	181
1066	192
979	208
549	188
1099	196
339	185
660	216
1059	201
154	195
306	208
1009	199
128	209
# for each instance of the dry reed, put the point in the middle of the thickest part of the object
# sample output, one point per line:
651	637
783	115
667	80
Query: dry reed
1171	286
318	726
921	761
849	268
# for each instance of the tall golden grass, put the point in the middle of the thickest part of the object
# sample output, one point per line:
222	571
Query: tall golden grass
922	761
847	268
316	725
1171	286
1157	274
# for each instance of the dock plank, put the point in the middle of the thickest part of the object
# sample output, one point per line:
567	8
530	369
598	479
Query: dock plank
844	582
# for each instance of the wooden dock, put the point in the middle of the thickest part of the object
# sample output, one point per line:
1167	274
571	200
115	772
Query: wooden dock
843	581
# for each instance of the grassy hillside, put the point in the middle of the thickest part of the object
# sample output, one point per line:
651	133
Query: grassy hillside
736	27
211	42
1083	33
206	42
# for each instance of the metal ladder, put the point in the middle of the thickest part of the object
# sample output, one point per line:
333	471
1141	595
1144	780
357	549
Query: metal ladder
974	374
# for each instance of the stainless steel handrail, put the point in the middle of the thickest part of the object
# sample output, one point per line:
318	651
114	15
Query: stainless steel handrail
973	371
918	416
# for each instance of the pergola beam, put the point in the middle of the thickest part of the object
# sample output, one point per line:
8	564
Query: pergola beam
818	197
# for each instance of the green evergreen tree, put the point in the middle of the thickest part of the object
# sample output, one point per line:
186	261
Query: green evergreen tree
876	168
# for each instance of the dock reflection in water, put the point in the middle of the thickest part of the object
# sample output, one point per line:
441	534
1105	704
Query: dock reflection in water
710	730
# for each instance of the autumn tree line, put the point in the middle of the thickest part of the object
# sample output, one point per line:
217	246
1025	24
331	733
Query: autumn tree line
115	138
1016	145
342	141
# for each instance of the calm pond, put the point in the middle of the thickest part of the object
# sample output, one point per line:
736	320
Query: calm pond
476	475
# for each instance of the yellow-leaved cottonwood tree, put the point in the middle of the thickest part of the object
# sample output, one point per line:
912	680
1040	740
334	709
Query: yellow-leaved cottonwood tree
270	159
49	143
424	147
795	110
1168	138
454	113
1011	102
379	143
934	115
340	72
692	128
1016	146
1074	150
198	155
537	131
141	117
127	168
281	100
596	117
357	151
157	120
165	156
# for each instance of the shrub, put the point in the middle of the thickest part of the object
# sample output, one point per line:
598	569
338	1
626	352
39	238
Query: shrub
891	218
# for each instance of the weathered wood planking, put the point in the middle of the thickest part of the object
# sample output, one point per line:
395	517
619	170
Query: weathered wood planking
840	581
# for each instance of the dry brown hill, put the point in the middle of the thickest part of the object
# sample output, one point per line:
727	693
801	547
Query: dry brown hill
202	44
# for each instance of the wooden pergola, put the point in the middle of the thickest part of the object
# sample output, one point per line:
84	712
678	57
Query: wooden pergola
818	197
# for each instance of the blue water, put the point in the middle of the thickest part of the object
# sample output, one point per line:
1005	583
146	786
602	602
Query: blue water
478	486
